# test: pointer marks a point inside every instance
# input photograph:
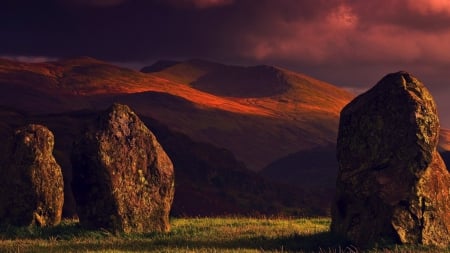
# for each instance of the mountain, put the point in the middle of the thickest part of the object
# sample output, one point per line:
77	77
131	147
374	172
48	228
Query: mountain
211	182
315	168
223	80
444	140
221	124
444	146
278	112
283	109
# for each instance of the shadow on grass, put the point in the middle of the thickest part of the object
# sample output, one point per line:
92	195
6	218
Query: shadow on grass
64	231
71	237
320	242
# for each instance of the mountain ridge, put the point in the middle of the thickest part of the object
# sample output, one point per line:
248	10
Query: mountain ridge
308	108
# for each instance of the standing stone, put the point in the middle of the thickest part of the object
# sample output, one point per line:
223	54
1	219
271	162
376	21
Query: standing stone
392	184
32	182
123	181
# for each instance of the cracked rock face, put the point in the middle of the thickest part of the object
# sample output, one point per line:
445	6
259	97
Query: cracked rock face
32	187
123	181
392	184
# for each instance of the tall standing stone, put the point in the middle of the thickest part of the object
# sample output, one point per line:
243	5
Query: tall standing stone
32	182
392	183
123	180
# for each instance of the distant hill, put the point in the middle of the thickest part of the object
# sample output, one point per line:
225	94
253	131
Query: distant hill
223	80
315	169
444	146
444	140
312	168
267	121
284	109
210	182
158	66
225	122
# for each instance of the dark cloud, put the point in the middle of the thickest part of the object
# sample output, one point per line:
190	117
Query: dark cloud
346	42
303	31
140	29
201	4
92	3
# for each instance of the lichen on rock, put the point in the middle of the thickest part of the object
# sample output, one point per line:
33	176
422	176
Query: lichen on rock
123	180
392	184
32	183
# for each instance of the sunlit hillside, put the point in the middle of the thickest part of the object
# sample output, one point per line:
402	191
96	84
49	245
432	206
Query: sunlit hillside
260	113
444	140
300	112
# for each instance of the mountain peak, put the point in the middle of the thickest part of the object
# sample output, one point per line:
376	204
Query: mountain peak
159	66
234	81
223	80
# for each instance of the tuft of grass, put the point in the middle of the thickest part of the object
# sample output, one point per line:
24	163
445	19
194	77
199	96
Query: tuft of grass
232	234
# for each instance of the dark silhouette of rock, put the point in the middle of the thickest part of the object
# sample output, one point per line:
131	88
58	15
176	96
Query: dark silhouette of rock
123	180
32	182
392	183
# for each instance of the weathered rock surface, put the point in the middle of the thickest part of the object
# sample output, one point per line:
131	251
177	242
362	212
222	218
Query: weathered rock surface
123	180
32	182
392	183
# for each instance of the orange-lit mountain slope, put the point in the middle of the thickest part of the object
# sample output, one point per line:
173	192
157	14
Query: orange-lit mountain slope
264	86
301	112
260	113
86	77
444	140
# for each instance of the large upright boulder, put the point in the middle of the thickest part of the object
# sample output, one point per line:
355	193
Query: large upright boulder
123	181
392	184
32	188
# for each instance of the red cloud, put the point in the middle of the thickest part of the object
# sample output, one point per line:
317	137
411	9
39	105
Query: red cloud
428	7
369	32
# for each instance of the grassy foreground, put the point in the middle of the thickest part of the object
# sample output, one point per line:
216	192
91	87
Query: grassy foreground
191	235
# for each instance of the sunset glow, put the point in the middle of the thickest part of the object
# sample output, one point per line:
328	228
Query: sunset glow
346	43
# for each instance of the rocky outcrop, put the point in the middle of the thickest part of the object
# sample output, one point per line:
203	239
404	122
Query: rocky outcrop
32	183
123	180
392	183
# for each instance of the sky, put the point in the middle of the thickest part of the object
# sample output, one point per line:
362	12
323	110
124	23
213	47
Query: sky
349	43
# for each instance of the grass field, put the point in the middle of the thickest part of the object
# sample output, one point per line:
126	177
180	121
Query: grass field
192	235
